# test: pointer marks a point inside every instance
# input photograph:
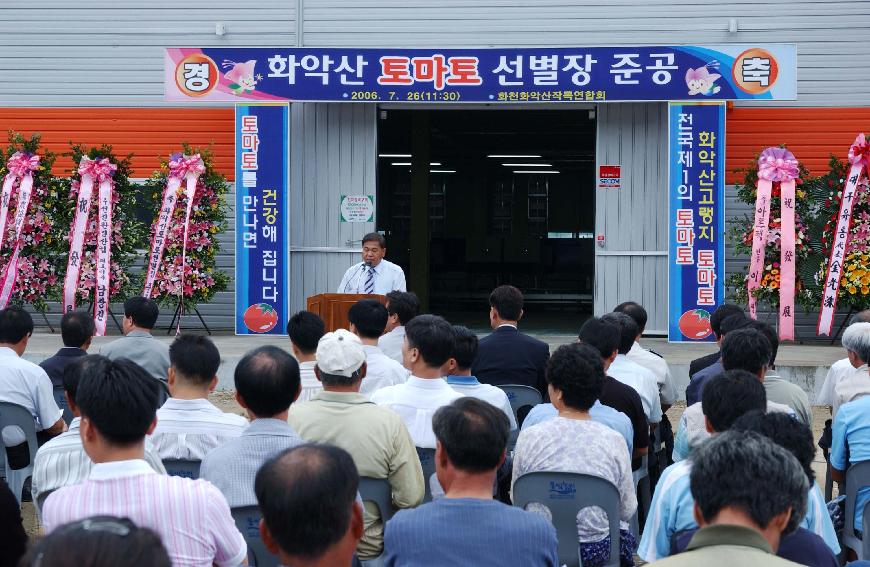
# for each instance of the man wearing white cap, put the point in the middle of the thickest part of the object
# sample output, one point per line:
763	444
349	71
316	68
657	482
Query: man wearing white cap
375	437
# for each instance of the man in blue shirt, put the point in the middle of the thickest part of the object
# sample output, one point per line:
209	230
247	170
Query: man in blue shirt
468	527
850	444
699	379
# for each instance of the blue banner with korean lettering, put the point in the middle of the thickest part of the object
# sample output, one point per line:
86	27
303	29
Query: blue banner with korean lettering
262	253
497	75
696	195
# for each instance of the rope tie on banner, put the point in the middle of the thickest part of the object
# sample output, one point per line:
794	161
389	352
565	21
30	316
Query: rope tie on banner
98	172
775	165
189	169
859	158
20	167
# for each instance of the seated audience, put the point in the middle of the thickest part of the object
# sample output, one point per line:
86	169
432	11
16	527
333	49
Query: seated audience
460	378
630	373
63	461
428	345
782	391
402	306
305	329
100	541
368	318
138	344
188	425
749	493
744	349
468	527
697	380
842	368
26	384
375	437
76	331
14	537
308	497
855	384
615	403
118	405
815	535
573	442
650	360
720	314
507	356
267	382
726	397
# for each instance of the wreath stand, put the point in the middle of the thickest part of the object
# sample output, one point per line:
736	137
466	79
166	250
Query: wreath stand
179	312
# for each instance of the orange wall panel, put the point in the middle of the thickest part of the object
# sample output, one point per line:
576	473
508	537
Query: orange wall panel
812	134
149	133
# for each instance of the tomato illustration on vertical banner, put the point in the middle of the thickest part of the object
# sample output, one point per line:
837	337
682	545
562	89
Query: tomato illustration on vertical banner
695	324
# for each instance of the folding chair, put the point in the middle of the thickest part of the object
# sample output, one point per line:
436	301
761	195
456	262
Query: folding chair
13	414
565	494
248	522
60	399
522	400
378	492
857	477
178	467
642	485
427	461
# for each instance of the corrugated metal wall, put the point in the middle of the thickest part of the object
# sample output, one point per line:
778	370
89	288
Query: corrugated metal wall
100	53
150	134
110	53
813	134
632	264
333	150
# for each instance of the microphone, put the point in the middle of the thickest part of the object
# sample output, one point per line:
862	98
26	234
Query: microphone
355	275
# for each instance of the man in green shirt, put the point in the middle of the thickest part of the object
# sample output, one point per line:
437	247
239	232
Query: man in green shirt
749	492
375	437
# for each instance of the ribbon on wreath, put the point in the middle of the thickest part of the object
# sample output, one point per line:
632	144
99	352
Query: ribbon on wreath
20	167
775	165
859	158
99	172
188	169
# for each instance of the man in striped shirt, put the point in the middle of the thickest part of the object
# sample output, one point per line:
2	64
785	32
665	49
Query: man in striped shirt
63	461
188	425
118	406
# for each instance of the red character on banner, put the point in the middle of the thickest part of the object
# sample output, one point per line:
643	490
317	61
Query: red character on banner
395	71
463	71
431	70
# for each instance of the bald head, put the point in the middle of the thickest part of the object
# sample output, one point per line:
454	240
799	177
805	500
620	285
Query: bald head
307	497
863	316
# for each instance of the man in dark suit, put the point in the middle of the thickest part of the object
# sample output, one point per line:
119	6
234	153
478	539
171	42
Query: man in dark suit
76	330
720	314
507	356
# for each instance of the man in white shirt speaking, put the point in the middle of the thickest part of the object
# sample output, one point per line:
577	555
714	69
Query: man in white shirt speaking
374	274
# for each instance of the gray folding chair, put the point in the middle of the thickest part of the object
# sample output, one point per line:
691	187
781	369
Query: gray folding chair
641	484
522	399
378	492
13	414
427	461
565	494
248	522
857	477
60	400
40	501
178	467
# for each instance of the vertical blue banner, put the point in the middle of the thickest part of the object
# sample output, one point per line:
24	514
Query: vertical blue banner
262	253
696	195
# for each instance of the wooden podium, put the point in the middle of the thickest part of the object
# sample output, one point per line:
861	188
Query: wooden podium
333	307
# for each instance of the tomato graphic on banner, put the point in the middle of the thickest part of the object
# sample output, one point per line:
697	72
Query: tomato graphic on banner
260	318
695	324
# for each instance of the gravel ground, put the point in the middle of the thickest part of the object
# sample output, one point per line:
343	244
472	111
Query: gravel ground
226	401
